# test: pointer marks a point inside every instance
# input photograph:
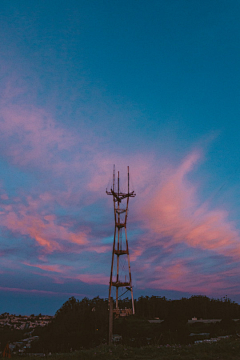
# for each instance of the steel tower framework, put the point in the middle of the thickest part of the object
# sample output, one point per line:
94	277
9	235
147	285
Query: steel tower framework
120	248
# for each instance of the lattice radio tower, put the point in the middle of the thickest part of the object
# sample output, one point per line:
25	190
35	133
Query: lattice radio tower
120	247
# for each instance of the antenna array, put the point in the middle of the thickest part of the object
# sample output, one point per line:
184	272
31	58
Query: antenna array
120	248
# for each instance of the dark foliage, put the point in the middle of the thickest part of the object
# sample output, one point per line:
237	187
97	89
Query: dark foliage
76	324
135	331
9	335
83	324
196	306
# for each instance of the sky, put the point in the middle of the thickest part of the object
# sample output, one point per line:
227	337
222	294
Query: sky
86	84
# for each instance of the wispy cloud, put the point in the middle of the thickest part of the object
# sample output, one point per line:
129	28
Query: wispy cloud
69	273
39	292
30	219
35	138
69	172
51	268
174	214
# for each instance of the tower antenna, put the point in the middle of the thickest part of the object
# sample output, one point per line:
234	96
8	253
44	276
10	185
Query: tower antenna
120	250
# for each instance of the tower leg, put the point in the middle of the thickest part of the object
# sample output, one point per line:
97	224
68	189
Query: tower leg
111	274
129	270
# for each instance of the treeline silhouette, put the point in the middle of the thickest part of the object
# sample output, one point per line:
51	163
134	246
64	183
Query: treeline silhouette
83	324
196	306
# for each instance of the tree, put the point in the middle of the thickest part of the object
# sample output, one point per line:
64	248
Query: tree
75	325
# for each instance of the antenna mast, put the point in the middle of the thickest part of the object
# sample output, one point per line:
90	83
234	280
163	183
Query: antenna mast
120	249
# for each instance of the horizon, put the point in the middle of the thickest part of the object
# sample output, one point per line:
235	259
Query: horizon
86	85
50	306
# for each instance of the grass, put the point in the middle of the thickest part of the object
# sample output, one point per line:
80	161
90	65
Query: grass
223	350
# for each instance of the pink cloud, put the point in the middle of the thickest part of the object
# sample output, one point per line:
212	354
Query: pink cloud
31	221
67	272
34	135
204	283
166	207
32	139
93	278
173	214
51	268
180	274
136	252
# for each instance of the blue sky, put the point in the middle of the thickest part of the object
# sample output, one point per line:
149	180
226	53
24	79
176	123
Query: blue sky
88	84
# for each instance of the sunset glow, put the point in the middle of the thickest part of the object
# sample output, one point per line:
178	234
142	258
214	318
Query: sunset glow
153	86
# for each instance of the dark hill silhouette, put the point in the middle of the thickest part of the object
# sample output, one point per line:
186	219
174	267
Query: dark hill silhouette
83	324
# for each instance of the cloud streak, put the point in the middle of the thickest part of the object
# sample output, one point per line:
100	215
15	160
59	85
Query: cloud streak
68	177
29	219
39	292
173	214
